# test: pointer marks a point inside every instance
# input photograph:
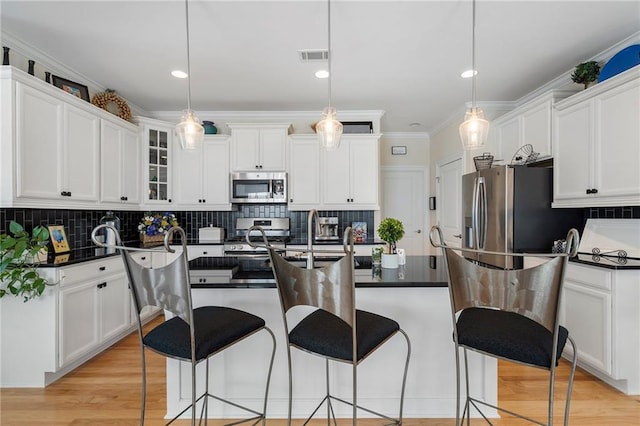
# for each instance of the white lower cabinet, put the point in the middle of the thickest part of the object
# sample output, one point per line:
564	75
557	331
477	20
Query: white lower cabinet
94	307
601	310
88	310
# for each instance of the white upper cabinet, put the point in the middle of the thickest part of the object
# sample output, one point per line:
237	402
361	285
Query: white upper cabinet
119	165
52	144
350	174
157	144
57	149
259	146
597	145
201	176
304	172
530	123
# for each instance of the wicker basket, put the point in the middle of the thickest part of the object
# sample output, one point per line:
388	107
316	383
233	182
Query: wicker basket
483	161
151	240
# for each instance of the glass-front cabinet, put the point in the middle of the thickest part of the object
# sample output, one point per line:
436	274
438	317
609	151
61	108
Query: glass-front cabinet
158	137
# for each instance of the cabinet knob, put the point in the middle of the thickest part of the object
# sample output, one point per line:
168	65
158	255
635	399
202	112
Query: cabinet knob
594	191
169	200
143	258
204	201
204	252
291	200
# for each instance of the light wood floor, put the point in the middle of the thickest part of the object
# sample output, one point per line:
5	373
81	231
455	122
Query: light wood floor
106	391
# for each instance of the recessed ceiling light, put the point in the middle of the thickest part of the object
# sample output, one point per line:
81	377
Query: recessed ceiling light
469	73
415	124
322	74
179	74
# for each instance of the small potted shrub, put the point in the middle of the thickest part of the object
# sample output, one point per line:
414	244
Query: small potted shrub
586	73
391	231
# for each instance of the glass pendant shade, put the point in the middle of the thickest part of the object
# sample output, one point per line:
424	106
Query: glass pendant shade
190	131
474	130
329	129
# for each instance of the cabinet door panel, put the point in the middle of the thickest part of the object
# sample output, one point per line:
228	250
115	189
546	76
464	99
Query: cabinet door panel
572	152
272	149
245	148
304	173
38	147
588	318
617	147
364	172
79	321
81	154
336	187
509	139
188	176
216	172
114	307
131	167
536	129
110	162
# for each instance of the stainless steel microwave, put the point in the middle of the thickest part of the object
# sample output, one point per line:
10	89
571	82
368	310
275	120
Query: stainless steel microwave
258	187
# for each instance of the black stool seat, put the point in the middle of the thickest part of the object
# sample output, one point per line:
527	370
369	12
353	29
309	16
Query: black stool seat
509	335
215	328
326	334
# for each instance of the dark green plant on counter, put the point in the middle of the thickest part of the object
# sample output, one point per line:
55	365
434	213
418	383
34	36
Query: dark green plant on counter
585	73
391	231
19	261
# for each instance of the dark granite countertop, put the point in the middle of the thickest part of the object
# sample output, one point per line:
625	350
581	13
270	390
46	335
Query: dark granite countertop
419	271
608	262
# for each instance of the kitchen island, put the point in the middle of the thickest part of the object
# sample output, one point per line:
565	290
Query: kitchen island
415	295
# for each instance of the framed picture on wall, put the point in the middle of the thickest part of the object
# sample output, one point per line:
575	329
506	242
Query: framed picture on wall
58	238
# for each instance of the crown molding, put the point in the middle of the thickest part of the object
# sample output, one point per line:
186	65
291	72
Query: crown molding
56	67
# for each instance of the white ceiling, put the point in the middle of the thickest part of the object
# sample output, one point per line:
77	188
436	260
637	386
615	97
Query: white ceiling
403	57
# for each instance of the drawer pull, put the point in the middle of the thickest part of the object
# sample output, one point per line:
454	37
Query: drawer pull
143	258
102	285
102	268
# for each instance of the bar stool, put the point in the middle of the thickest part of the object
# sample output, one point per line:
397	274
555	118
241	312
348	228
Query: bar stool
191	335
512	315
336	331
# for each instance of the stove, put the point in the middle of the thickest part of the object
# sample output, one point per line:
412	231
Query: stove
276	230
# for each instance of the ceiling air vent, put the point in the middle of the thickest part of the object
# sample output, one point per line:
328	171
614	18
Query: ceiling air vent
313	55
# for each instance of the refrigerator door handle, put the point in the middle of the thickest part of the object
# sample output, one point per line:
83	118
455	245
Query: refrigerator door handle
483	195
474	213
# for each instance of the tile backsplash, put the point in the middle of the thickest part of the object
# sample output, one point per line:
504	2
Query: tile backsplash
613	212
78	224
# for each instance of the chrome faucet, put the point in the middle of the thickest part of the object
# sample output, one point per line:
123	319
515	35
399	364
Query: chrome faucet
312	213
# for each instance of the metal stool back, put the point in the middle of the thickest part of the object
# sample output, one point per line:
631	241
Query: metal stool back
324	332
192	335
508	314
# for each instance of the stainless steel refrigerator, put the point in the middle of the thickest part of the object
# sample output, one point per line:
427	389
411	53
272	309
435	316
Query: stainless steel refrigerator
508	209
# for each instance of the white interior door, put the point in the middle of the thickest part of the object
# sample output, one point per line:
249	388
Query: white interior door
404	198
449	201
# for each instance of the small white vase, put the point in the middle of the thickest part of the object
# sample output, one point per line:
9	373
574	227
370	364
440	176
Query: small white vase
389	261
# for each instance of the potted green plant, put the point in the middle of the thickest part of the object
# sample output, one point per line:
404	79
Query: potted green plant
586	73
19	253
391	231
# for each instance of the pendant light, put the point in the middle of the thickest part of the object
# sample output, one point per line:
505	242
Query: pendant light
329	129
189	130
475	129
